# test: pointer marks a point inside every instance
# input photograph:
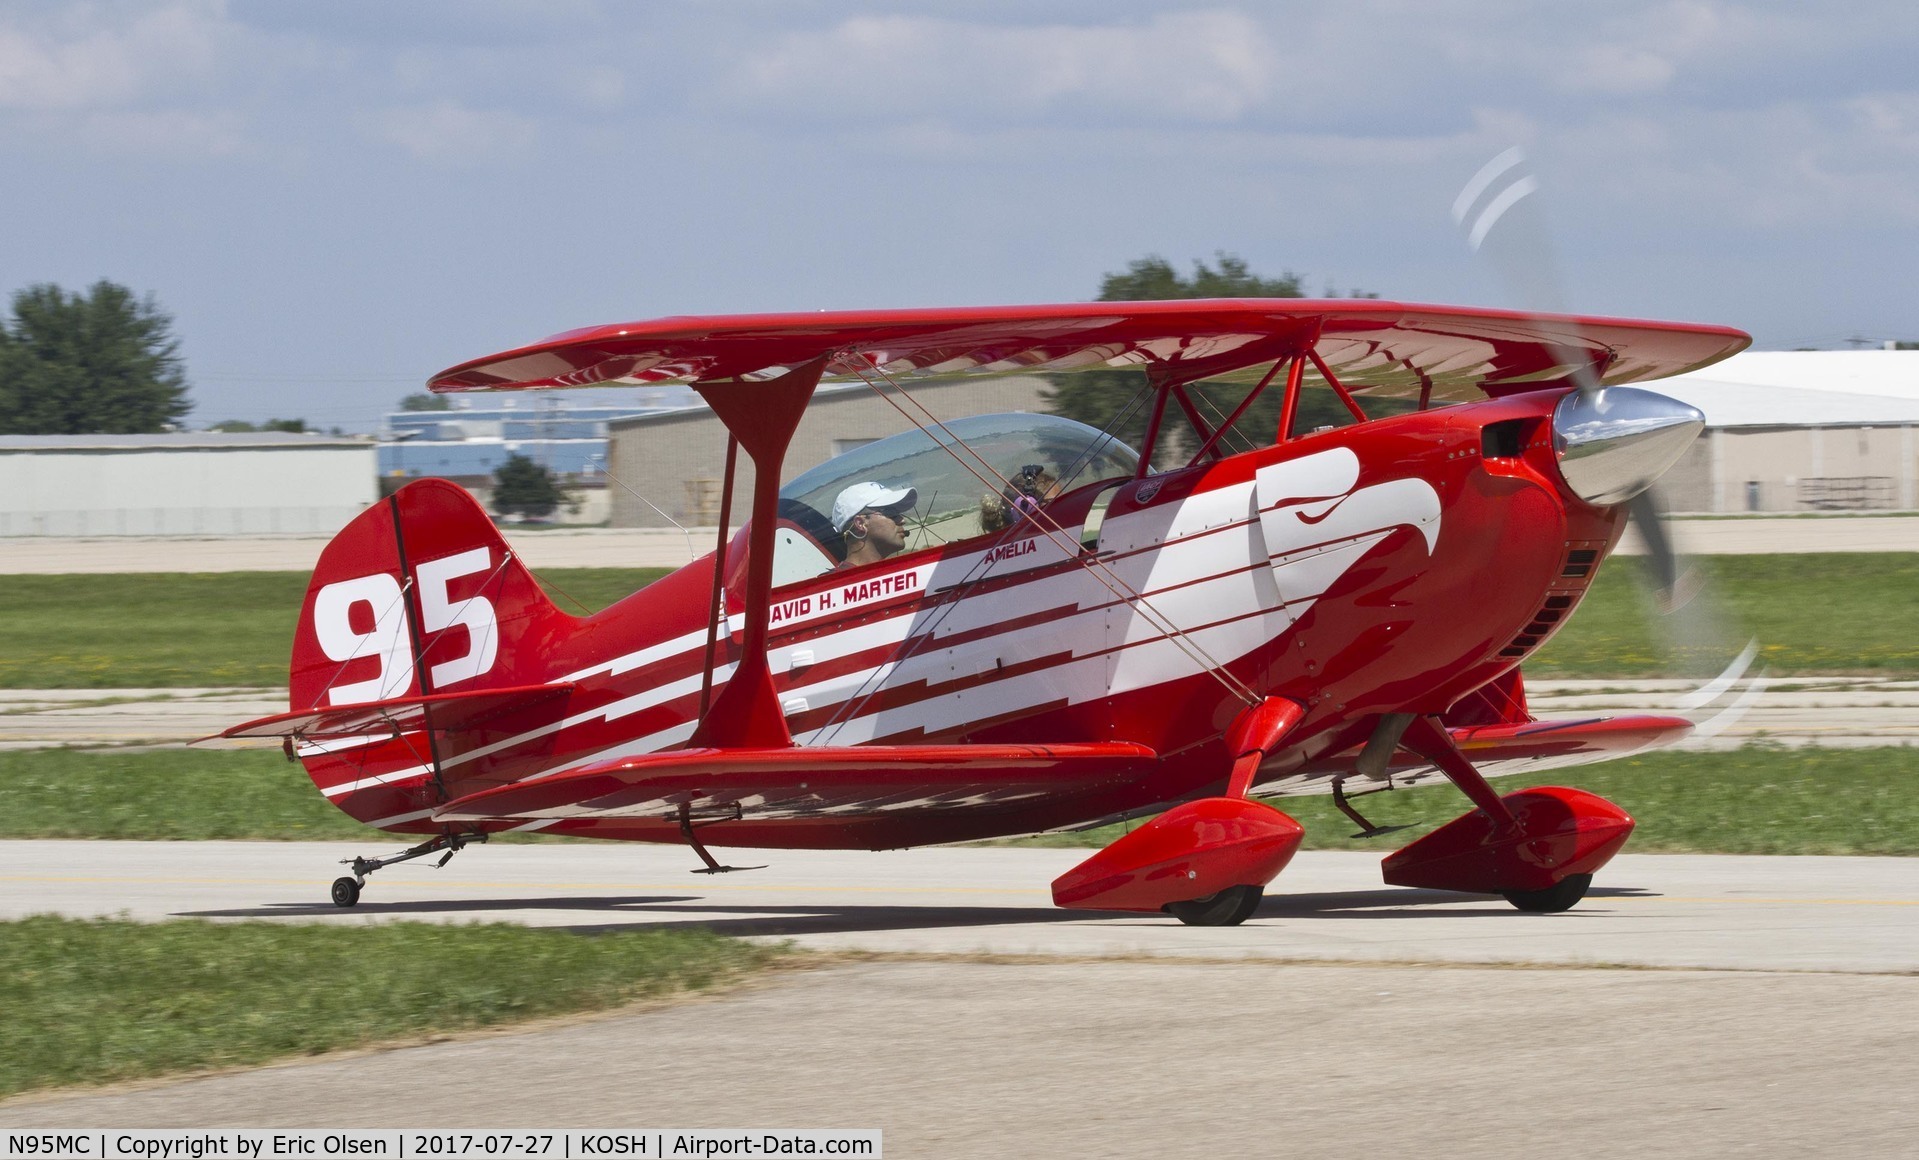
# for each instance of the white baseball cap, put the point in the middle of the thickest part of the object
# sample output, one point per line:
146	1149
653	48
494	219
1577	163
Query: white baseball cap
861	496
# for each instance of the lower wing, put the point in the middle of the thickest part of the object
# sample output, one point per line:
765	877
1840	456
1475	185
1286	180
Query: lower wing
1500	750
809	782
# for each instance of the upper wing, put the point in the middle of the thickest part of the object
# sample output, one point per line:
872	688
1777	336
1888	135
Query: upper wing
1385	347
811	781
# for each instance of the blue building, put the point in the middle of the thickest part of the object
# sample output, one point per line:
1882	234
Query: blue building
469	443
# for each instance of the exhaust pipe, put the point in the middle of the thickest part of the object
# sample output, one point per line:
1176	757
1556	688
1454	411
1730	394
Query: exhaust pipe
1613	442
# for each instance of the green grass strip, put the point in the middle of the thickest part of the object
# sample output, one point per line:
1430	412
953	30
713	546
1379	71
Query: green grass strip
1815	613
91	1001
192	629
1824	613
165	794
1756	800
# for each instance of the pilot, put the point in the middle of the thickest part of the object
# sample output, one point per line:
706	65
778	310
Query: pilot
871	519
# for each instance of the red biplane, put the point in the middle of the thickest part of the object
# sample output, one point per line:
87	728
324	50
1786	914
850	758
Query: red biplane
1338	611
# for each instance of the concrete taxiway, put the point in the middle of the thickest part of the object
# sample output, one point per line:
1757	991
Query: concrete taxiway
1131	1059
1733	913
998	1026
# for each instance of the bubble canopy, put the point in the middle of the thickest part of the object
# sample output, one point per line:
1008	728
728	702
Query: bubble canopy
950	495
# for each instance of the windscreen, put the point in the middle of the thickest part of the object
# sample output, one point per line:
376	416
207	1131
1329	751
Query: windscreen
1043	453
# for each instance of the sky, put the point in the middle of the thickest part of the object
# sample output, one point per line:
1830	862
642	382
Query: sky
335	199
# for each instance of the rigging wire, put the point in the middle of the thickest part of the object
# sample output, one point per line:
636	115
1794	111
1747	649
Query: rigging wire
691	552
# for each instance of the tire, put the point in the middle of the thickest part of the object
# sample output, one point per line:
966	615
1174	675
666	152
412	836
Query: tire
346	892
1561	895
1229	907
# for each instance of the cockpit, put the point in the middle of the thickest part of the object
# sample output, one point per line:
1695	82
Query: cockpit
970	477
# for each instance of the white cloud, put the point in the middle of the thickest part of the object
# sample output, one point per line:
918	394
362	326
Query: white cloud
1618	69
88	58
162	132
445	132
1206	66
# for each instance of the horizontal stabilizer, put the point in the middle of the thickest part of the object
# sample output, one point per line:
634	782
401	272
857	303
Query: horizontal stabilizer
804	780
448	711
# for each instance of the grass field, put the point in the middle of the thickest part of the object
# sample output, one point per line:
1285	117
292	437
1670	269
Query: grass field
190	629
1828	613
1749	801
1843	612
94	1001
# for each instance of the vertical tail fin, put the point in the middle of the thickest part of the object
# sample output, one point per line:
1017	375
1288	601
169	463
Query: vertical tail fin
420	594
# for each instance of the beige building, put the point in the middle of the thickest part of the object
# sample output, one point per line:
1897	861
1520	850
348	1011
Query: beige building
1786	431
1800	431
665	469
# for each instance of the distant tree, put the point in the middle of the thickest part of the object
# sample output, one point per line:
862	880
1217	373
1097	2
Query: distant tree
525	488
1117	401
295	426
1905	346
426	402
1153	277
100	362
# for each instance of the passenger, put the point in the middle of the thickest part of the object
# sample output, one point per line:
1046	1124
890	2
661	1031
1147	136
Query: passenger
871	519
1023	494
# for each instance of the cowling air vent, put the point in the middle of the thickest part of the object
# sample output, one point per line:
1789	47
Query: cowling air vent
1575	576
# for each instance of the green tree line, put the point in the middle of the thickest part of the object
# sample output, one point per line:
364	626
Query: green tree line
1117	400
99	361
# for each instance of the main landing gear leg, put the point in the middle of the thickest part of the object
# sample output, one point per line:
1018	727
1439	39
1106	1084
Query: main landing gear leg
1537	848
346	890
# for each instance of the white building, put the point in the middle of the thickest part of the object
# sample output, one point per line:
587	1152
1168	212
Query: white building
1800	431
203	483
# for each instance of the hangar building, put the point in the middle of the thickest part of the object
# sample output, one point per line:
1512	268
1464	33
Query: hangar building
203	483
1800	431
1785	431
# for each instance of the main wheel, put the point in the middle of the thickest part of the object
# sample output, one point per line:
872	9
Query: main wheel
1561	895
1229	907
346	892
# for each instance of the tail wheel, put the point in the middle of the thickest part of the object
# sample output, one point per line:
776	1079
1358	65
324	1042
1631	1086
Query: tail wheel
1229	907
1561	895
346	892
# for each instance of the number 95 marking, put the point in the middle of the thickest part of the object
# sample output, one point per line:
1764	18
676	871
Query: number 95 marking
388	639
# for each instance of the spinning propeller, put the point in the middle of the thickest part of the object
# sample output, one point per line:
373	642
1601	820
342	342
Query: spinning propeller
1612	442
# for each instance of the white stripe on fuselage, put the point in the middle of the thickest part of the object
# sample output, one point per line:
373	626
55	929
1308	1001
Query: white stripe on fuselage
1207	560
